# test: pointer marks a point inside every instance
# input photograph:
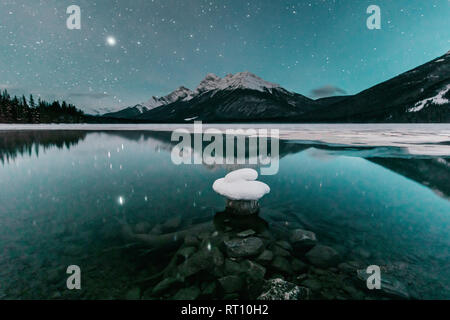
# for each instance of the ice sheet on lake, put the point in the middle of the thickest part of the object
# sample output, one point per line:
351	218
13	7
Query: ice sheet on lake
414	139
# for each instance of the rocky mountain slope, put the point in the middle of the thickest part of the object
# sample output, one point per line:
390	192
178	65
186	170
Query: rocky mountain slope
419	95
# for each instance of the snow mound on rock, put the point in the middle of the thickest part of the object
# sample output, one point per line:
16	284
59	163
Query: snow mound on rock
241	185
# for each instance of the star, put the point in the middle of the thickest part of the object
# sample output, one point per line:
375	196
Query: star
111	41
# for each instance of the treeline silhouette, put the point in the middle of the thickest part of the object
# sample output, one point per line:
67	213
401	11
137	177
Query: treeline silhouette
21	110
15	143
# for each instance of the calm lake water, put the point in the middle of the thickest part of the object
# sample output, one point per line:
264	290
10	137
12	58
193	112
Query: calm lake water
83	197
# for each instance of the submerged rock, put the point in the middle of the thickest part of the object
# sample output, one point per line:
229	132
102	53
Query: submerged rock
56	275
186	252
231	283
133	294
243	207
281	264
313	284
196	263
231	296
189	262
265	257
232	267
156	230
190	293
303	239
217	256
201	260
191	241
349	266
299	266
322	256
165	285
246	233
171	225
247	247
278	289
209	290
142	227
390	286
353	292
253	270
278	251
363	253
285	245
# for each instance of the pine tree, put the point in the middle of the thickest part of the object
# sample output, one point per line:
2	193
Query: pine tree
17	110
32	103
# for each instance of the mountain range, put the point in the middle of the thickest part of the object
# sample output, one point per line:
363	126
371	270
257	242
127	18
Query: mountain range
418	95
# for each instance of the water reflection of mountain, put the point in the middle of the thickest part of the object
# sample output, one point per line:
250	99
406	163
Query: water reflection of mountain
15	143
162	140
431	172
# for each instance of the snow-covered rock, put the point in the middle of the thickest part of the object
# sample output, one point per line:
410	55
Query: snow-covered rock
241	174
241	185
279	289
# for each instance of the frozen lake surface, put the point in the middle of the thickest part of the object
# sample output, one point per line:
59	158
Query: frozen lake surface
414	139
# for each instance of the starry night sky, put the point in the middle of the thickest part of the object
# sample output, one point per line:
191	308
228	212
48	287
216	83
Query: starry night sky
162	44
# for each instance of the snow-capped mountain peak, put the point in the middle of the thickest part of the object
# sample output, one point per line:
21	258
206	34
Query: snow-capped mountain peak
210	82
153	102
141	108
246	80
180	94
240	80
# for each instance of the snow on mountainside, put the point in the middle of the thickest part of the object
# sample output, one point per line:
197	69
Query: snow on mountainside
128	112
182	93
418	95
141	108
442	95
241	80
208	84
102	110
439	99
242	96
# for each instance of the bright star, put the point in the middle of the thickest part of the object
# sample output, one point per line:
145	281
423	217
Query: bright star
111	41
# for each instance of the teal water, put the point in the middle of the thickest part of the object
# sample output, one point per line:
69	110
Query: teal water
66	196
